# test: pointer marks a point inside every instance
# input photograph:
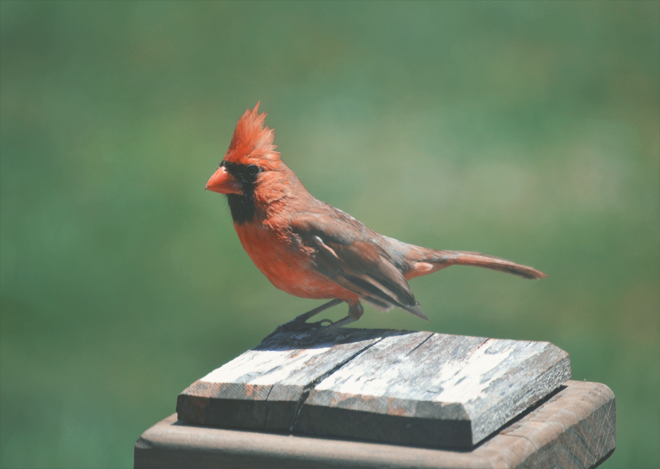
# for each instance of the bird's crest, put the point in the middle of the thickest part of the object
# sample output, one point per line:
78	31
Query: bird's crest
251	140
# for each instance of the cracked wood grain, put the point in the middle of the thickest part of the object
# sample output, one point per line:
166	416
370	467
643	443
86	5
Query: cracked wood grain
264	387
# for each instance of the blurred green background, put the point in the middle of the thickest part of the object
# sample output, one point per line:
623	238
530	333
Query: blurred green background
524	130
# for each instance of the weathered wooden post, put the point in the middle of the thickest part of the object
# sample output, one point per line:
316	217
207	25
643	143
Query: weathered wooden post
386	399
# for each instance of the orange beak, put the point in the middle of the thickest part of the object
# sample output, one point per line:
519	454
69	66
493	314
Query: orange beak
223	182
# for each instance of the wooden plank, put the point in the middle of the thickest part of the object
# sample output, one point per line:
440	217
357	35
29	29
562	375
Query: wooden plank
417	388
448	391
263	388
574	429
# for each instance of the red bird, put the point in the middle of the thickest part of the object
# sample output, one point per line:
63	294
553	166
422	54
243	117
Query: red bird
313	250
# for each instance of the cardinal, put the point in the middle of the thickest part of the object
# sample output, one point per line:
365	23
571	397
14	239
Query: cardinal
311	249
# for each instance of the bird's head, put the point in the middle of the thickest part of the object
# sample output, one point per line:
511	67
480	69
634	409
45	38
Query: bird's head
251	152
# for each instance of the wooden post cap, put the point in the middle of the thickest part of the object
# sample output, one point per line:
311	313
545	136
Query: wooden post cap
412	388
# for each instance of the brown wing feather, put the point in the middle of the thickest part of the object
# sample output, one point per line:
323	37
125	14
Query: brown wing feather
346	256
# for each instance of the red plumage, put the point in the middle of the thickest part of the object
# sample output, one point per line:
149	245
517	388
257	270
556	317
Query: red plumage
313	250
251	140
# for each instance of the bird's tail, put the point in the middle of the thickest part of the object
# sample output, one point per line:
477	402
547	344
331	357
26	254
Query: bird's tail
490	262
432	260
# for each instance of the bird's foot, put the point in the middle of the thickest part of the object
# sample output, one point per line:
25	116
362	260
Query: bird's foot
307	330
318	324
300	325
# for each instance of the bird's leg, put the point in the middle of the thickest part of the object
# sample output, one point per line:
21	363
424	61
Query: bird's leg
355	312
311	313
299	323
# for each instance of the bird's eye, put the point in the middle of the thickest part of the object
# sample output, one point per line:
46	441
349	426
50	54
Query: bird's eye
252	170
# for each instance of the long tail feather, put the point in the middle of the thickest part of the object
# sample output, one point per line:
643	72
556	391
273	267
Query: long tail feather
488	262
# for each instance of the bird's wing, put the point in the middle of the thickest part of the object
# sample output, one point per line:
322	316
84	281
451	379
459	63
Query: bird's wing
345	254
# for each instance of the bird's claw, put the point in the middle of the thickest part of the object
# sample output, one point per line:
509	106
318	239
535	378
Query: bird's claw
319	324
303	326
300	325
